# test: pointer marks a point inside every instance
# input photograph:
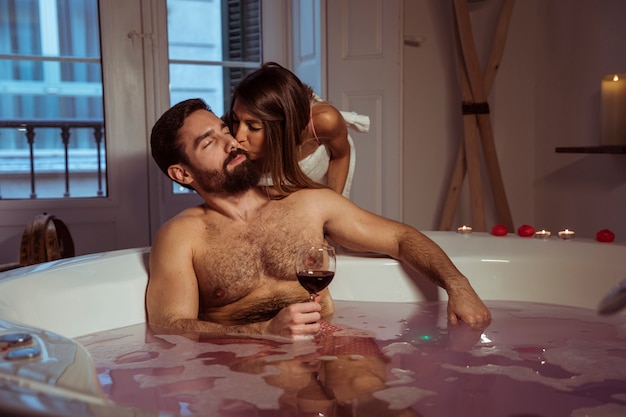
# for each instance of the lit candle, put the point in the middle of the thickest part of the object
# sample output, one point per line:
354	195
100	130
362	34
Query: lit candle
566	234
613	109
542	234
464	230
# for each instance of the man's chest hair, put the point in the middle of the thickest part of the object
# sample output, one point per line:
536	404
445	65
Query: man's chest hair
262	245
246	254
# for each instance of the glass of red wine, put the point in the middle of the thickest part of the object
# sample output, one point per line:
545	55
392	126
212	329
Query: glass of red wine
315	267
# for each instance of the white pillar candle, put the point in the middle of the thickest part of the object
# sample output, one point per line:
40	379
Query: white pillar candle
613	109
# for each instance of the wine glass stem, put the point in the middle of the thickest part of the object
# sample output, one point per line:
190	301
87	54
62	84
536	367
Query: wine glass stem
312	296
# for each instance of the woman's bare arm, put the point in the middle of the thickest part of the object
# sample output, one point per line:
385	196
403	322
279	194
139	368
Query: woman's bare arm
332	132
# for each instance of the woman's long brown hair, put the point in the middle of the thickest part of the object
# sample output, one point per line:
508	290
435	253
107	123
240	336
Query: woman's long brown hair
276	96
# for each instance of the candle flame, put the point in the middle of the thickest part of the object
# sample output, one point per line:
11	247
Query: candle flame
615	78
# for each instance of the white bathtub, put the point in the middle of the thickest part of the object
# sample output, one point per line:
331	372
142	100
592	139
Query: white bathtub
74	297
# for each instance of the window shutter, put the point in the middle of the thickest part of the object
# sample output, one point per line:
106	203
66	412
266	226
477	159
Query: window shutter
241	37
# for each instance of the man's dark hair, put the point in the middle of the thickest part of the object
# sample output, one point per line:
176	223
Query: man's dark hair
166	148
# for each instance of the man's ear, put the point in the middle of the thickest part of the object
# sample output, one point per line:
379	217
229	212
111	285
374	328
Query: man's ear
180	174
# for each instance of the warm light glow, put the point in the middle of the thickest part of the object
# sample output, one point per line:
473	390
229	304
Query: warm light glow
612	108
464	230
543	234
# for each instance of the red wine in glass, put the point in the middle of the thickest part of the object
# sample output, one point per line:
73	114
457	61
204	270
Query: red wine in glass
315	281
315	267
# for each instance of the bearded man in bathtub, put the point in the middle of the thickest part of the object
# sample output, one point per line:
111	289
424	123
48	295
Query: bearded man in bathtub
226	266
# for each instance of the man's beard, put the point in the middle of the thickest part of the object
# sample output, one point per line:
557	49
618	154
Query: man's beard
243	177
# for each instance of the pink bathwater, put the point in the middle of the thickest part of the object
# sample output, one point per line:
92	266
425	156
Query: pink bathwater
379	359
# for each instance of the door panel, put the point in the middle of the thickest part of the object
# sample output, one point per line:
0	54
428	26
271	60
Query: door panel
363	44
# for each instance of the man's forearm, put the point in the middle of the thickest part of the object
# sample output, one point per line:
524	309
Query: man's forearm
428	258
425	256
201	326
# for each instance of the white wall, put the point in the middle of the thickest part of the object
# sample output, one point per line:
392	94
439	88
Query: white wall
546	95
576	47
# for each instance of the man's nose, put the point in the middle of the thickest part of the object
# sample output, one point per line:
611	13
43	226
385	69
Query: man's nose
232	143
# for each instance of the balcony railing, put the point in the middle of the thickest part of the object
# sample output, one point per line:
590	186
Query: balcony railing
50	162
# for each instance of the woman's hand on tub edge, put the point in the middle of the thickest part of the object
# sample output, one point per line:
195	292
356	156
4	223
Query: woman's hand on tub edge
465	305
296	320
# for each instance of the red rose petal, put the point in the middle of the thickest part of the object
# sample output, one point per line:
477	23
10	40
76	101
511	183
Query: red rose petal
499	230
605	235
526	230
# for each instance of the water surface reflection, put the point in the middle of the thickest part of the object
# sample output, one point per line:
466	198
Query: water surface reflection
380	359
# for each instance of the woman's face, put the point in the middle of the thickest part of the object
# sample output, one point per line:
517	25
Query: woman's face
248	130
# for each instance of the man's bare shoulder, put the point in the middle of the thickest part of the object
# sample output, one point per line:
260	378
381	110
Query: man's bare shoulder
312	194
187	220
330	206
318	199
189	215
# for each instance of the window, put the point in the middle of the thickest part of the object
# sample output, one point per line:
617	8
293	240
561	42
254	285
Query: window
213	44
52	120
51	128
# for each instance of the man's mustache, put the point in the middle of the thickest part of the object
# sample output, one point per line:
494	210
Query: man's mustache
235	153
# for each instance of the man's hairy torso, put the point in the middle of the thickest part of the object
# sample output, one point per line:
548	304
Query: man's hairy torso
245	268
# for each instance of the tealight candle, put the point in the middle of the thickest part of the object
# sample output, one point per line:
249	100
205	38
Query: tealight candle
464	230
566	234
543	234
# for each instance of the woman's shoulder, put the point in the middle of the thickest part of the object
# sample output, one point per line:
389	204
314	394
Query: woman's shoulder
328	120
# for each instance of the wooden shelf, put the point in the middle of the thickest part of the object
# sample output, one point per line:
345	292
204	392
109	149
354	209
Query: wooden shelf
606	149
